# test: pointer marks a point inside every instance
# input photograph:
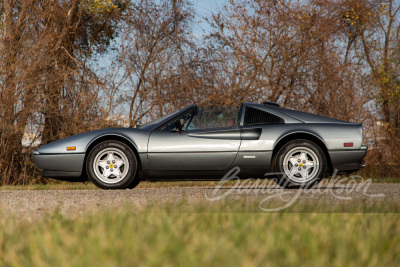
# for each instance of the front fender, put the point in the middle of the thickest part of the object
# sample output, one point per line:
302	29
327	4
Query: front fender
137	137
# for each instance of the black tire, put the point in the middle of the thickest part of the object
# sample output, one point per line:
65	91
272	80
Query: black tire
121	154
309	174
135	182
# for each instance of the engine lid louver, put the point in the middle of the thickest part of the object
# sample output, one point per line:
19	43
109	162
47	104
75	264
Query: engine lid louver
255	116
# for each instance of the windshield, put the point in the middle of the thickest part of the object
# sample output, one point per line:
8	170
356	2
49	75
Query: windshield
151	124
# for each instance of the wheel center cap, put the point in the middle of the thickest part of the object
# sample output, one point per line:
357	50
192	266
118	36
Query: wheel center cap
111	165
300	165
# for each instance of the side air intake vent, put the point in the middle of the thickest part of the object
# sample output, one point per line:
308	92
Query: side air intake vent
255	116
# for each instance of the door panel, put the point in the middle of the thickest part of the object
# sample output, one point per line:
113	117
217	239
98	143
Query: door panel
213	149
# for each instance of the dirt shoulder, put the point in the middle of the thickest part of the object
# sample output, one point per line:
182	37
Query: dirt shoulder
32	204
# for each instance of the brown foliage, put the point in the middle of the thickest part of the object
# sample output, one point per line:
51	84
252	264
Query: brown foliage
46	88
335	58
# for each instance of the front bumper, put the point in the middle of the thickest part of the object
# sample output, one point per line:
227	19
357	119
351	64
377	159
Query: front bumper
60	164
348	160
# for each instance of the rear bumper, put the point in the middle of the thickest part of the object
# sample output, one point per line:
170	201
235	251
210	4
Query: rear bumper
59	165
348	160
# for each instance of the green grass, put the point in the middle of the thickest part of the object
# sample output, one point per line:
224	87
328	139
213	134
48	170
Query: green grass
51	186
169	235
56	185
386	180
376	180
90	186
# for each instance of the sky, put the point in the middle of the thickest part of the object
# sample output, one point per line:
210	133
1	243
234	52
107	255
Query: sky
205	8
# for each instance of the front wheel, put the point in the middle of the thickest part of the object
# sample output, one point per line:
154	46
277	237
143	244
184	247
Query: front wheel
300	163
112	165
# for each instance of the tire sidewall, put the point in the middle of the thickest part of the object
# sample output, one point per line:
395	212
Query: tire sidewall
130	176
285	181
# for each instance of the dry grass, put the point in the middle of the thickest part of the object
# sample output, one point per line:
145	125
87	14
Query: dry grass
161	235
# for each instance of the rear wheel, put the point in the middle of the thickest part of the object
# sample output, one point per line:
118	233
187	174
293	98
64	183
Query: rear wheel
112	165
300	163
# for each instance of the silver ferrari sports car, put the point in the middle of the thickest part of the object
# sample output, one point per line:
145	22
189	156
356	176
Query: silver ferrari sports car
204	143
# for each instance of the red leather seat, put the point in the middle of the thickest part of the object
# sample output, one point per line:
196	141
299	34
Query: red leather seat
231	123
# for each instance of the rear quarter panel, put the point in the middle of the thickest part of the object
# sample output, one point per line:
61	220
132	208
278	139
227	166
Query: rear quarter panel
259	153
333	135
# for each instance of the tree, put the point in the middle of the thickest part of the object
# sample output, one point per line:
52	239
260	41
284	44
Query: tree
154	44
46	84
287	52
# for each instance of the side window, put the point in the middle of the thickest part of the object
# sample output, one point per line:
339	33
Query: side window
213	117
255	116
206	118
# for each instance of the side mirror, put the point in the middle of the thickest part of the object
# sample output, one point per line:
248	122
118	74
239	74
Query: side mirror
180	124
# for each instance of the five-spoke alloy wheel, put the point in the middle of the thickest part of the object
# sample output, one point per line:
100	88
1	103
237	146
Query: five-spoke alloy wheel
300	163
112	165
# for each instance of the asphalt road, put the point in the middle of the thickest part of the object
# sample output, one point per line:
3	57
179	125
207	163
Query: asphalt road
31	204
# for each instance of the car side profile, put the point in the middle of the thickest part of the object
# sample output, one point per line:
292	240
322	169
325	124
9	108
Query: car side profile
204	143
